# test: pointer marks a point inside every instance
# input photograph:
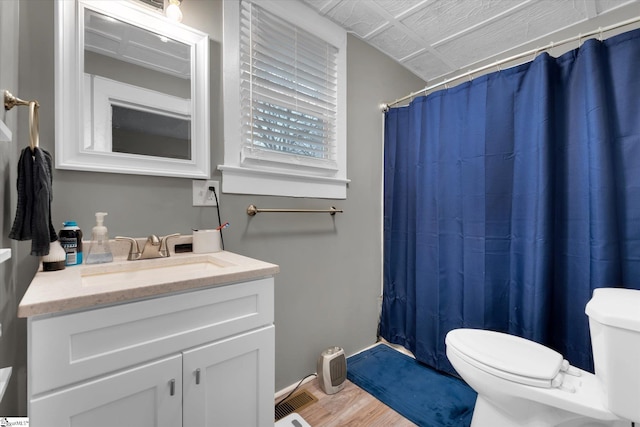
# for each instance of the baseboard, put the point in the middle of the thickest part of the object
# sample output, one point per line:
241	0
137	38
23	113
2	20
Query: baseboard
381	340
397	347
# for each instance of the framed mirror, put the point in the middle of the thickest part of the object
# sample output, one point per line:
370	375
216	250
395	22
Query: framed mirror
132	91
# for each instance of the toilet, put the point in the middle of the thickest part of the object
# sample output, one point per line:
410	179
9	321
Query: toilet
523	383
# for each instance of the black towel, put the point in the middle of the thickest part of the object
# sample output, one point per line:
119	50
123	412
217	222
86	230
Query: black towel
33	213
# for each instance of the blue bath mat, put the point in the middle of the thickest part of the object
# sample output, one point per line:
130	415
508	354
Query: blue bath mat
419	393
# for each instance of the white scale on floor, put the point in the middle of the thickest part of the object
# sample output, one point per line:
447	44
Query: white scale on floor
292	420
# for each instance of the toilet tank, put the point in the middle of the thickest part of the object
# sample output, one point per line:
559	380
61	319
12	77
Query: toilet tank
614	323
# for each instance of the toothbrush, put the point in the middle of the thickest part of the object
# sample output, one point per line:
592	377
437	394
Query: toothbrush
225	225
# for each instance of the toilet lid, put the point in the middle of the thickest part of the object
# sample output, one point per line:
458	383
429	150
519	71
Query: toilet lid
507	356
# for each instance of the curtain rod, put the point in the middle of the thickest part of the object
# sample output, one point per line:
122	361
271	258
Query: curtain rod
600	30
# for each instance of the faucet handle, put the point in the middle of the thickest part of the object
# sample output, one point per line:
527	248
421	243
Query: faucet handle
134	250
164	248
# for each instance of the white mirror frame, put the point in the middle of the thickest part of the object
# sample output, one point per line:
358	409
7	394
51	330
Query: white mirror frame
69	93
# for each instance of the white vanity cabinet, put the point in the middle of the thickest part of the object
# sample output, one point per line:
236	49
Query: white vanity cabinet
199	358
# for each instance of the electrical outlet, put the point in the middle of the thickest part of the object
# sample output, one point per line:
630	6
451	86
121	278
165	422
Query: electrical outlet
202	196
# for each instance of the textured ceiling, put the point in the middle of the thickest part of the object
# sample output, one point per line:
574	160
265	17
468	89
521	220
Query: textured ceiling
434	38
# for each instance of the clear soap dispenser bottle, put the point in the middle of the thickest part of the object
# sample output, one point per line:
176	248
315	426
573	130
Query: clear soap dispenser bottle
99	251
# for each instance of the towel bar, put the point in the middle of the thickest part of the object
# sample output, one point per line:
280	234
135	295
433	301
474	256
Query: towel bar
252	210
11	101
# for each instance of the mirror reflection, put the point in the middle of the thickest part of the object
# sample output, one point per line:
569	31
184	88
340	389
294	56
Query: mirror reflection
137	88
132	91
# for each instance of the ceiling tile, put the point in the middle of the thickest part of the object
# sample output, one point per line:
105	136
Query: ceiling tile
395	43
356	16
442	19
536	20
604	5
317	4
398	7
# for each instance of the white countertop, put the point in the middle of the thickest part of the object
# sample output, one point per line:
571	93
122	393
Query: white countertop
64	290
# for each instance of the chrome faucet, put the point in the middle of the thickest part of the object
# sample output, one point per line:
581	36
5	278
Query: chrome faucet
154	247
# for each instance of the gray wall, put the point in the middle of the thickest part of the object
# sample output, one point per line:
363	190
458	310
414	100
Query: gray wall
328	288
13	339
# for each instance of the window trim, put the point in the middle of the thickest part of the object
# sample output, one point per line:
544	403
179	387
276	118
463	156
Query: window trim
275	178
106	93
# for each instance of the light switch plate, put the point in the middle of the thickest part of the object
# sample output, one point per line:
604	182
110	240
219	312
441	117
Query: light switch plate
202	196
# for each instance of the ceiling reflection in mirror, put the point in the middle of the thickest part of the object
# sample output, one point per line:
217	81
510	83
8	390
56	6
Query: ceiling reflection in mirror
151	72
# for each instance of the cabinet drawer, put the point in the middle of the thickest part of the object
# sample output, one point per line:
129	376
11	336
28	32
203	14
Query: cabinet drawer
72	347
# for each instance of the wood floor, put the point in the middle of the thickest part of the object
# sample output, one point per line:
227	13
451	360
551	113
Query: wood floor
351	407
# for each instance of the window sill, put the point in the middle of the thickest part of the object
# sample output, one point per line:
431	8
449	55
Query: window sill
242	180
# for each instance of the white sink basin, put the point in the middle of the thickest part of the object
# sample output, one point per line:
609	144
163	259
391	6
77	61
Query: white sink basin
160	270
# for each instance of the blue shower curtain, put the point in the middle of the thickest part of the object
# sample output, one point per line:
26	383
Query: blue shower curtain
509	198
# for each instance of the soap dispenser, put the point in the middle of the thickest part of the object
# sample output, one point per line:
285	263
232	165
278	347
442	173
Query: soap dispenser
99	251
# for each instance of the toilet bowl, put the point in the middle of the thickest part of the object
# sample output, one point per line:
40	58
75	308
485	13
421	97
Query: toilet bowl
523	383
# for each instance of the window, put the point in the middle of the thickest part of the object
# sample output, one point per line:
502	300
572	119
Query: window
284	101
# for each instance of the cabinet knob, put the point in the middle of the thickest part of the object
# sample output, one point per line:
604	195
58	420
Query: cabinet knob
172	387
198	376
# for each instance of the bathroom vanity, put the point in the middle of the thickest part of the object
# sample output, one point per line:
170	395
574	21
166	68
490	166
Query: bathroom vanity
182	341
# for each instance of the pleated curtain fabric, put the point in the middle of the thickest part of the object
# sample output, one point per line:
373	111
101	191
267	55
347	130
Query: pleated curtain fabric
510	198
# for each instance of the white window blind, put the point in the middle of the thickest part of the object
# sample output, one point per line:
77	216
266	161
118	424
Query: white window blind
288	92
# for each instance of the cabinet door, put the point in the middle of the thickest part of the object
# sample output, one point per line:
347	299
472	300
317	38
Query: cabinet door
230	383
143	397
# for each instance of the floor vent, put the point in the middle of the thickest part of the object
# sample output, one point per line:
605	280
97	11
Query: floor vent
294	403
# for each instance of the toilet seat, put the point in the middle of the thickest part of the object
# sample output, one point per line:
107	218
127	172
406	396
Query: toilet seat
510	357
